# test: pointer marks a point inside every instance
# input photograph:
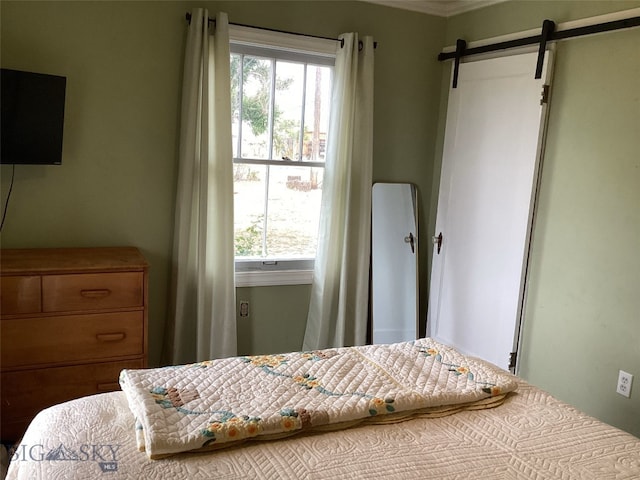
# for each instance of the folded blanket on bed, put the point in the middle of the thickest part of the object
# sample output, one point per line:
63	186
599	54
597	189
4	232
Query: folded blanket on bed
219	403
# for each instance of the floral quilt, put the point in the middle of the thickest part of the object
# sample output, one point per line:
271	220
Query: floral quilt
220	403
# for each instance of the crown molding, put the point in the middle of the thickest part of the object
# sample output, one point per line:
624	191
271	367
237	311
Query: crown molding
441	8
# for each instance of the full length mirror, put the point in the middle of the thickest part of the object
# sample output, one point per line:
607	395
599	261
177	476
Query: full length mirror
394	263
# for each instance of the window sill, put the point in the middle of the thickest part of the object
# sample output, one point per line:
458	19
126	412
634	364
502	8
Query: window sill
273	278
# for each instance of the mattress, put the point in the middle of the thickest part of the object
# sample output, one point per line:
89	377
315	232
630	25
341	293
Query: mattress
531	435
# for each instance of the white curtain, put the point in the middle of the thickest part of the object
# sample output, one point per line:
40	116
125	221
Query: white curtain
338	307
202	320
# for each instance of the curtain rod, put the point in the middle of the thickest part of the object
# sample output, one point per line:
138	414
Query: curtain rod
213	20
552	36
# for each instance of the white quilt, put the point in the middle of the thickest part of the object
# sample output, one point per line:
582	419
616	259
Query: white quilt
217	403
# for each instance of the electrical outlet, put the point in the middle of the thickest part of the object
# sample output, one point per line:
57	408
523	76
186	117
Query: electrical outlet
624	383
244	308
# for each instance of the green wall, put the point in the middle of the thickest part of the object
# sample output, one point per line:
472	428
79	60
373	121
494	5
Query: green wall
116	186
272	326
582	321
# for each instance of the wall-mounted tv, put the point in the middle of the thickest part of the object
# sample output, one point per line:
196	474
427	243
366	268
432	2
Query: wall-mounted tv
32	121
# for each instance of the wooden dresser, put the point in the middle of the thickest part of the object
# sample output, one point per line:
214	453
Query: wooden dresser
70	320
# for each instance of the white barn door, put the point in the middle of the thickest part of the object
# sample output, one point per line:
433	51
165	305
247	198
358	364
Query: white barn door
493	143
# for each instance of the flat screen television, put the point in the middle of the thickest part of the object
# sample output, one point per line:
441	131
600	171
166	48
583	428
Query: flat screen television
32	107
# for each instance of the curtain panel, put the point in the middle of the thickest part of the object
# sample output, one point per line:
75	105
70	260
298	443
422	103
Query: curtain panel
338	310
202	319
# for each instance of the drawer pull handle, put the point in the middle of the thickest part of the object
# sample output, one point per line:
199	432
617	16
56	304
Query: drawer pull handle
98	293
110	337
107	387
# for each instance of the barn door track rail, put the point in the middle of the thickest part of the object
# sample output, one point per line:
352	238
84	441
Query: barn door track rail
548	34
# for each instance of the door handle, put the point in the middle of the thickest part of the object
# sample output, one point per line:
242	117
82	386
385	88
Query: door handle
437	241
411	240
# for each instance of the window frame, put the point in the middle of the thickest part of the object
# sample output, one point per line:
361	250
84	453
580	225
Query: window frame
288	47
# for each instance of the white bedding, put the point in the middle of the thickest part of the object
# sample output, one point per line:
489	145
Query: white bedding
531	436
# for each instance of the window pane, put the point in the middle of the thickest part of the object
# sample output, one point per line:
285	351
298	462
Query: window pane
288	110
316	113
294	211
256	105
249	202
280	109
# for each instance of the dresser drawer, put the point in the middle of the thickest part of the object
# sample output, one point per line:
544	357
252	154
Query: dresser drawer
71	338
63	293
20	294
25	393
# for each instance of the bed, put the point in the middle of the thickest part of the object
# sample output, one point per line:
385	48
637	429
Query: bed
510	429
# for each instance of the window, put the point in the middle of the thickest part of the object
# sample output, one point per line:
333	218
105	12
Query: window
281	97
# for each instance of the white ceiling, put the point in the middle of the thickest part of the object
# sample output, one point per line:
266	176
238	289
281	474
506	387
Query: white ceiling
442	8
